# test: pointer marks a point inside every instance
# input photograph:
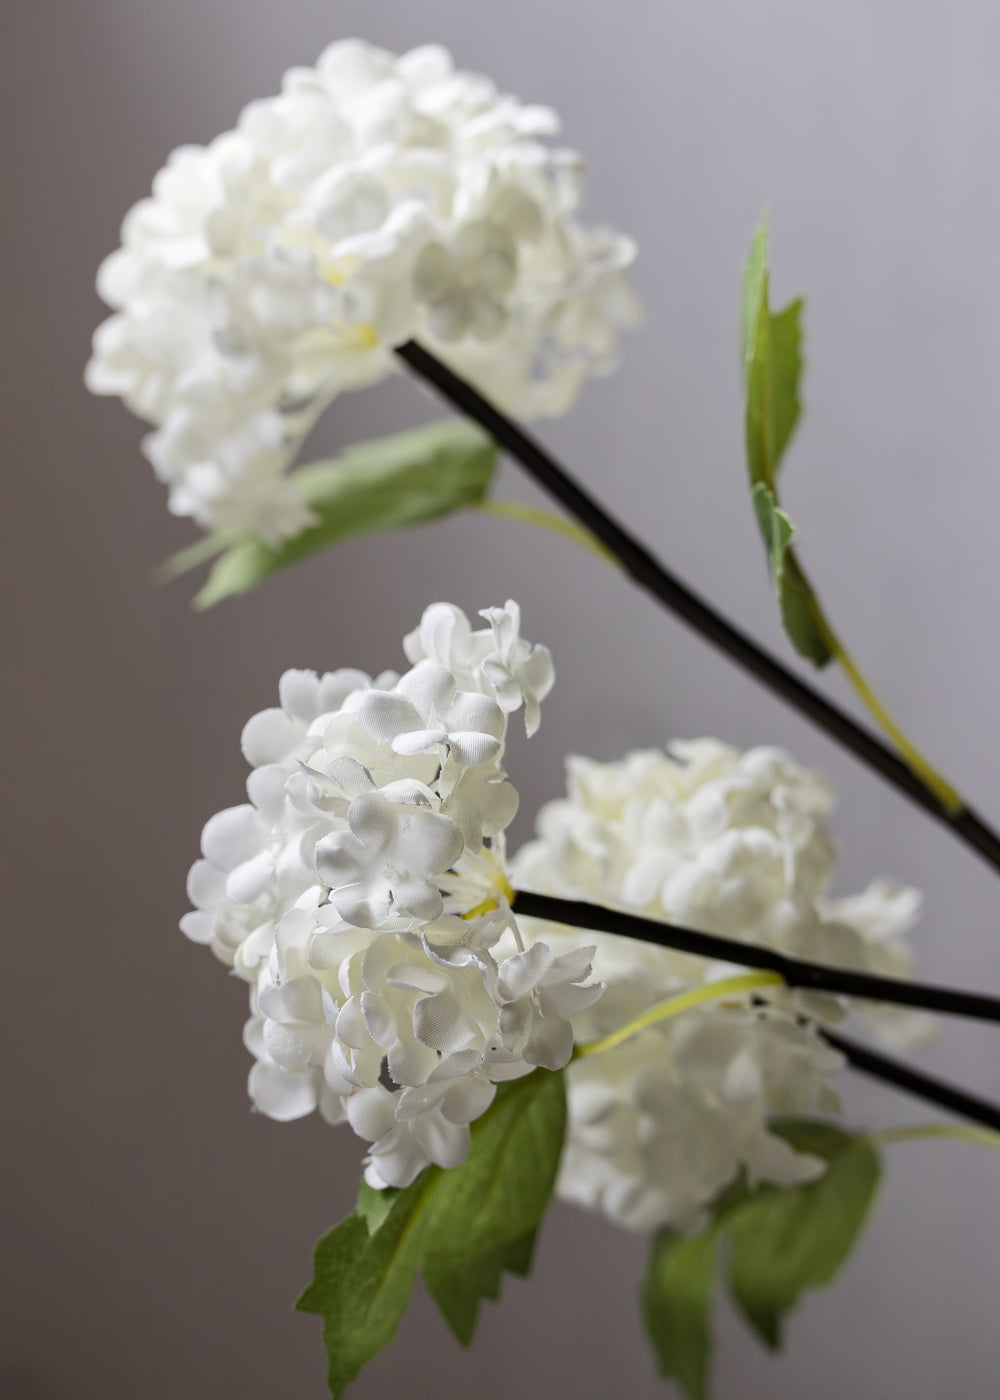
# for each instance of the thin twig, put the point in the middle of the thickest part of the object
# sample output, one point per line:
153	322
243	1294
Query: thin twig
911	1081
795	972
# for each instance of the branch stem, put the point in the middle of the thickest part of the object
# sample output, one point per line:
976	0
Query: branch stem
794	972
675	1005
949	798
934	1130
546	520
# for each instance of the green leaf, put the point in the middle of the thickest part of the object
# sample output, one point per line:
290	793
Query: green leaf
787	1241
780	1242
487	1213
362	1284
463	1227
772	367
376	486
676	1299
801	614
374	1206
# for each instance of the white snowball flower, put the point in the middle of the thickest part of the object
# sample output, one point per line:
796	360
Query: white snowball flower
496	661
376	199
390	858
735	844
427	709
540	993
371	804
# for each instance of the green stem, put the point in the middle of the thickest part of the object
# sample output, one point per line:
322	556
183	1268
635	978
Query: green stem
949	798
673	1006
935	1130
546	520
198	553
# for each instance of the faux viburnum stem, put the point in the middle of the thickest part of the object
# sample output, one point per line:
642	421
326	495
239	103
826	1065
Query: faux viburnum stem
794	972
675	1005
950	799
912	1132
545	520
912	1081
647	571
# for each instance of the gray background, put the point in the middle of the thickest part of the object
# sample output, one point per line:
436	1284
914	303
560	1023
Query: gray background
155	1231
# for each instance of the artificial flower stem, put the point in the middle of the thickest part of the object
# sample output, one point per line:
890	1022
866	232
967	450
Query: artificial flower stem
912	1081
647	571
545	520
795	972
934	1130
673	1006
194	554
948	797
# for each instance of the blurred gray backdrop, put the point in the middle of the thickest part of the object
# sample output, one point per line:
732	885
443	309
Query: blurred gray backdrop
156	1232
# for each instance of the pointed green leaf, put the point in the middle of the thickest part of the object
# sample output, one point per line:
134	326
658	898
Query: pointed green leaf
772	367
463	1227
487	1213
787	1241
459	1282
801	613
376	486
676	1304
374	1206
362	1284
781	1241
755	281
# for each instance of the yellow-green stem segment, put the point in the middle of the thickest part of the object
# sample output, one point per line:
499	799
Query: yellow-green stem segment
673	1006
935	1130
950	800
546	520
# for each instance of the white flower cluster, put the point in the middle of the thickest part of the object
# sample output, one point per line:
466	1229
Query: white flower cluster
376	199
734	844
375	823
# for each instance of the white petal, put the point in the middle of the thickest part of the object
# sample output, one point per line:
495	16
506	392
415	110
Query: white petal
565	999
298	692
445	1143
398	1157
299	1000
233	836
282	1095
352	777
251	879
467	1099
386	713
571	967
410	1062
470	748
519	974
373	820
416	978
379	1020
417	741
269	737
550	1044
206	885
429	686
199	927
371	1112
440	1022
